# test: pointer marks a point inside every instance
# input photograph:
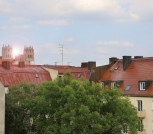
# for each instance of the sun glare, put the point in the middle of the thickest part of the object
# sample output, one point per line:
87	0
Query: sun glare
15	52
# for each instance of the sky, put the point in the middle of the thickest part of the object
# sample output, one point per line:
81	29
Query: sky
89	30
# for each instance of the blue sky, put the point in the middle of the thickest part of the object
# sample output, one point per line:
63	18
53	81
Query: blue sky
90	30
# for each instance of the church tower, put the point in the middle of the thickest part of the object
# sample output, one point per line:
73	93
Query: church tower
7	52
28	55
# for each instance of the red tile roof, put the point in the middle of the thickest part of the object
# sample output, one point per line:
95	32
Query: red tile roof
16	75
139	70
76	71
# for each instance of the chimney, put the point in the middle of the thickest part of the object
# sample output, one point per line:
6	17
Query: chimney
136	57
112	60
84	64
91	65
21	63
126	62
6	64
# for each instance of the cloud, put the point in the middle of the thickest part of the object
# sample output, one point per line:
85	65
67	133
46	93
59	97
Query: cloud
59	12
15	27
116	43
53	22
4	27
71	51
69	39
16	19
66	12
104	50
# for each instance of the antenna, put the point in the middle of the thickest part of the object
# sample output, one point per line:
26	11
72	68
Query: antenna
62	51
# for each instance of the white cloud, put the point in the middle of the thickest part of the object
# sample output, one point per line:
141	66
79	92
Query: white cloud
71	51
16	19
62	12
53	22
116	43
104	50
5	6
20	26
4	27
15	27
69	39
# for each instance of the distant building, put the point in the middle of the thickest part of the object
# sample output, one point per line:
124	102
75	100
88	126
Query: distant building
7	52
27	56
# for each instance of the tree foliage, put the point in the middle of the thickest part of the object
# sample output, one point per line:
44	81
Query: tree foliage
68	106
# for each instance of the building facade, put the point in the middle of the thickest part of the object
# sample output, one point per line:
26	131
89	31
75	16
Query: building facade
134	76
7	52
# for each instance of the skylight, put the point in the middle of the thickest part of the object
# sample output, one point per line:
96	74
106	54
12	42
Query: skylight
37	76
116	67
128	87
79	75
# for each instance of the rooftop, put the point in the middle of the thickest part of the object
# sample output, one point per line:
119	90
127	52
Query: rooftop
140	69
16	75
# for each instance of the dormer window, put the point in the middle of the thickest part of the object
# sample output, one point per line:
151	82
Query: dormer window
102	85
113	85
142	86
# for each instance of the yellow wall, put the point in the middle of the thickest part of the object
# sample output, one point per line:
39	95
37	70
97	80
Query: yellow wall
147	107
53	73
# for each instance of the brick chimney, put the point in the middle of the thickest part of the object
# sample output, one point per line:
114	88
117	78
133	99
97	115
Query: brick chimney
6	64
112	60
126	62
91	65
84	64
21	63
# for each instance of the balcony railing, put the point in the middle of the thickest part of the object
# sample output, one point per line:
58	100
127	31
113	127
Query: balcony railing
141	132
142	114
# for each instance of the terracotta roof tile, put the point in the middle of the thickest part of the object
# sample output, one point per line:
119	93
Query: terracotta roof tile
76	71
15	75
138	70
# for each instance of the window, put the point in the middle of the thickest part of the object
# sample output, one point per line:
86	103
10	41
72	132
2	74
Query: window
6	90
142	86
113	85
37	76
139	105
116	67
128	87
60	76
79	75
102	85
140	128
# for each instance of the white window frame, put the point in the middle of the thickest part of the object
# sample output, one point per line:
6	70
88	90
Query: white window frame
113	85
139	105
142	86
102	85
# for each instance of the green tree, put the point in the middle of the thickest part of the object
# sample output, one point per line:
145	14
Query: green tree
17	115
68	106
